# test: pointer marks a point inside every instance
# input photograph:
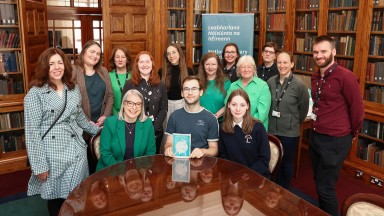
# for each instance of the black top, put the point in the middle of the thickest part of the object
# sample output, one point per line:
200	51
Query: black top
96	91
231	73
265	73
174	92
129	140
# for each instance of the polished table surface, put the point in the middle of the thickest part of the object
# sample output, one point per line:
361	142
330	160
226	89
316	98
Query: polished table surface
159	185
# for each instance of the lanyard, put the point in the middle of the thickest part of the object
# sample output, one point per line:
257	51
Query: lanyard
282	92
118	81
319	90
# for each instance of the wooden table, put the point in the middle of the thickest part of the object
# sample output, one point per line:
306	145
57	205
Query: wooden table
159	185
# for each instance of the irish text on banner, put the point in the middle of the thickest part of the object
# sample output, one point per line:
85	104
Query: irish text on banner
220	29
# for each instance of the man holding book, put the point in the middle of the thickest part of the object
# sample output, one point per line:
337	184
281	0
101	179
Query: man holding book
193	119
337	114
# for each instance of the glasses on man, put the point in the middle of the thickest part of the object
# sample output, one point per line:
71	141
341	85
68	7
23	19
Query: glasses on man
230	52
194	89
269	52
131	104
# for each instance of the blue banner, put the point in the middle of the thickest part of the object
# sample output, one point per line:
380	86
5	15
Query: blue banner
220	29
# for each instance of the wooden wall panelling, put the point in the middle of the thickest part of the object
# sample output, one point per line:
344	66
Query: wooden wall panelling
33	15
130	23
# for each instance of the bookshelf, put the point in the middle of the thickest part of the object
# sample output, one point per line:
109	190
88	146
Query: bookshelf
16	66
253	6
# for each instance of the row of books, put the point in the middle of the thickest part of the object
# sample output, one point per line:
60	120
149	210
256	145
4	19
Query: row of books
370	151
196	38
306	21
177	37
376	45
276	21
8	14
11	120
374	94
201	4
304	44
10	143
304	63
307	4
343	3
9	39
373	128
176	19
176	3
342	21
256	42
345	45
11	86
257	23
197	20
375	72
378	2
275	5
345	63
277	37
377	20
10	61
226	6
251	6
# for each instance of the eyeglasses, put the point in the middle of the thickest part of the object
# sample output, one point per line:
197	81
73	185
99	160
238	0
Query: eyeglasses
246	67
131	104
230	52
194	89
269	52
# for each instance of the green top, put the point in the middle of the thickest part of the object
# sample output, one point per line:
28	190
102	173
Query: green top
213	98
259	96
118	97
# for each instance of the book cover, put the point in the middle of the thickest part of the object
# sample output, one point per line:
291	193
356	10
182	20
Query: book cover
181	145
181	168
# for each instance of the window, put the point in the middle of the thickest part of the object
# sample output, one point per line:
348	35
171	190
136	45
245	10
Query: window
75	3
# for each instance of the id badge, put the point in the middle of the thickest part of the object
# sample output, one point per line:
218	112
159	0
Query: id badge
275	113
313	116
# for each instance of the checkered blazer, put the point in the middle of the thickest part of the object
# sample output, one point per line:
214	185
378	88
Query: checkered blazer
63	151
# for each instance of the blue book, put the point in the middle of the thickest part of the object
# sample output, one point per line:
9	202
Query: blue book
181	145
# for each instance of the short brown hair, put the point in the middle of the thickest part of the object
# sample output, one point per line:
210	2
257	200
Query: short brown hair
272	45
188	78
323	38
127	55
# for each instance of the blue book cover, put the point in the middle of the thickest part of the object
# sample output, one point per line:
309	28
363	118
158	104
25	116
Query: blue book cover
181	145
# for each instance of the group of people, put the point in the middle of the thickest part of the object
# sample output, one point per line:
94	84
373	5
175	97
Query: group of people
228	107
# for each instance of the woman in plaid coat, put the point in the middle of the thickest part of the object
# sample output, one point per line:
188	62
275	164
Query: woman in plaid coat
59	159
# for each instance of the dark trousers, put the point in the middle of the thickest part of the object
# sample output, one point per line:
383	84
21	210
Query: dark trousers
159	139
285	173
328	154
54	206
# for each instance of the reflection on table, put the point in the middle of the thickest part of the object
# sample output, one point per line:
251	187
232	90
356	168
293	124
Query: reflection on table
158	185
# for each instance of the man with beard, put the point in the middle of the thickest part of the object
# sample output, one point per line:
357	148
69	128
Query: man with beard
337	115
195	120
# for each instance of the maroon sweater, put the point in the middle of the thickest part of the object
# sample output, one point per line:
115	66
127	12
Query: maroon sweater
340	108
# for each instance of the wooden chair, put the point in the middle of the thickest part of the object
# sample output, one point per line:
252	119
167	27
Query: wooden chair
361	204
276	155
95	146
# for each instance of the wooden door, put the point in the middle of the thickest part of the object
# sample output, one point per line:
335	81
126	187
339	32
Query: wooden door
35	32
130	23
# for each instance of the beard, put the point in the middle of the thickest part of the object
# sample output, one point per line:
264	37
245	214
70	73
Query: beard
328	60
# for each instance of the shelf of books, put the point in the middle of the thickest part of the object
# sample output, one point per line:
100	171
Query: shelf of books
226	6
176	26
374	79
276	21
200	7
12	88
305	30
252	6
342	25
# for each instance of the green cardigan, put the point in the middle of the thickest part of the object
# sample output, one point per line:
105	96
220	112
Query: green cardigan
112	141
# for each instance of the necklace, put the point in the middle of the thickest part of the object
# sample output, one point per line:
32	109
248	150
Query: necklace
130	127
